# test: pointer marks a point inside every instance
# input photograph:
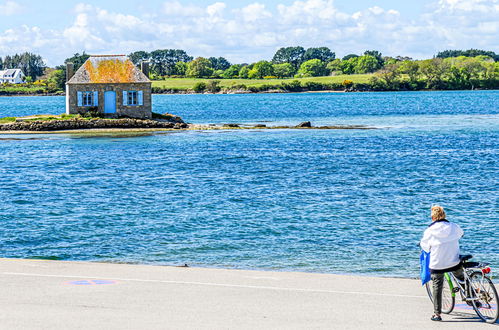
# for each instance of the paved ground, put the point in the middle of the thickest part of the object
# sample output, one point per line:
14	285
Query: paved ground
74	295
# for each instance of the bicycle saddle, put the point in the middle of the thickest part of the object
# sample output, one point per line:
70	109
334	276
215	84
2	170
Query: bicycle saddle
465	257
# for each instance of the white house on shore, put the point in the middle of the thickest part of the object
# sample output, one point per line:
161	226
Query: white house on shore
11	76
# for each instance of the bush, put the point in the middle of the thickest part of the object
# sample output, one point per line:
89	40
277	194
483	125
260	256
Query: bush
347	83
199	87
315	86
238	87
213	86
293	86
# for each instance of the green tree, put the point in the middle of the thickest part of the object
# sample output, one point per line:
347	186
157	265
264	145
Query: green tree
284	70
57	80
467	53
465	72
334	66
375	54
232	71
1	64
434	70
312	68
180	69
411	69
32	65
366	64
139	57
261	69
292	55
199	68
348	66
389	75
244	72
219	63
322	53
349	56
77	60
163	60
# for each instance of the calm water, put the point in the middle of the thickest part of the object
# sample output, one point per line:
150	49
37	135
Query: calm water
326	201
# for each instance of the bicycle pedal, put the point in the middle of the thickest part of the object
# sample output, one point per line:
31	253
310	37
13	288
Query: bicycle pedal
455	290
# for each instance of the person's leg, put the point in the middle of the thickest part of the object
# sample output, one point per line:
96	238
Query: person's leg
438	285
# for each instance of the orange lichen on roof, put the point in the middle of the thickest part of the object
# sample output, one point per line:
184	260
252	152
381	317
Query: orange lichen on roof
110	71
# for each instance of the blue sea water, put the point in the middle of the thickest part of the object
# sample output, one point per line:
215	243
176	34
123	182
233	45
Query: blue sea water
334	201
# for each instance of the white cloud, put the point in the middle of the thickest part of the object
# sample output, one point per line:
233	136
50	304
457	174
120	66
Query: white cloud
255	31
9	8
254	12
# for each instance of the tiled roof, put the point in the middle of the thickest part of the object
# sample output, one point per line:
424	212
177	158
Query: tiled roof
108	69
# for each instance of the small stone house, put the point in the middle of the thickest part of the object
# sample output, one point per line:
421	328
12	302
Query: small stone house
111	85
11	76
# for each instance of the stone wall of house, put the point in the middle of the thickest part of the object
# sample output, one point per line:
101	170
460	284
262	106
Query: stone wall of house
143	111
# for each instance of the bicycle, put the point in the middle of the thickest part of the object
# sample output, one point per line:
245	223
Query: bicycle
477	290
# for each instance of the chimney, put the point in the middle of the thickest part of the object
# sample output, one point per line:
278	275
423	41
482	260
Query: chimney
144	67
70	71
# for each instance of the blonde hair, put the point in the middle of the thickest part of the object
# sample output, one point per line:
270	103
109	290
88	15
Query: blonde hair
437	212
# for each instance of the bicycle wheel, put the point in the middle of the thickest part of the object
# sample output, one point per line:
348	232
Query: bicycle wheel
448	299
486	303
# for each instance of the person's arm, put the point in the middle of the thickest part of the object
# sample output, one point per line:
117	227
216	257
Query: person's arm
425	245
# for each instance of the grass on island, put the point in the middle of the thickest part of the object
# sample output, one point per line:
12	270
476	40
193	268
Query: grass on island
188	83
23	89
63	116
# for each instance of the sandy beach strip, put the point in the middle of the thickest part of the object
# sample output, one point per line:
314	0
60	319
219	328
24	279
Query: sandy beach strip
41	294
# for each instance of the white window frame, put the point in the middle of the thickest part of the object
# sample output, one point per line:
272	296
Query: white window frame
88	99
133	98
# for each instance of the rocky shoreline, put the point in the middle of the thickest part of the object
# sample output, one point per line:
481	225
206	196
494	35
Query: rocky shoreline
94	123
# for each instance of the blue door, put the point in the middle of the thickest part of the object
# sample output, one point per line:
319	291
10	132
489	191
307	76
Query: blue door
110	102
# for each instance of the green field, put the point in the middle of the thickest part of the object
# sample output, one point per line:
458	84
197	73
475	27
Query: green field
188	83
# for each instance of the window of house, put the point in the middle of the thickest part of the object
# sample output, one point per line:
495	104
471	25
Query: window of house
88	99
132	98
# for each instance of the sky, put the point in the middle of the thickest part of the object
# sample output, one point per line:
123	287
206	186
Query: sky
246	31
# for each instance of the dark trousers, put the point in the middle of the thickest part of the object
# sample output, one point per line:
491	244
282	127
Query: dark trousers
438	286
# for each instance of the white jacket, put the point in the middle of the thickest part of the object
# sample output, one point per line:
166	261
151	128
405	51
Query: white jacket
441	238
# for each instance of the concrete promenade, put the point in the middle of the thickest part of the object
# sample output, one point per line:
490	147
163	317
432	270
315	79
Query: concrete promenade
37	294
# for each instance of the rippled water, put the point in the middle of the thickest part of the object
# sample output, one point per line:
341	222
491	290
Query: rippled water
337	201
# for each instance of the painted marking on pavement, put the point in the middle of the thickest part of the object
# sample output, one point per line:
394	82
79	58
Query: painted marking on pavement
224	285
91	282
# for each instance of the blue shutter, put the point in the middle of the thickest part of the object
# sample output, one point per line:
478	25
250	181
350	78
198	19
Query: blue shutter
96	99
141	97
125	98
80	99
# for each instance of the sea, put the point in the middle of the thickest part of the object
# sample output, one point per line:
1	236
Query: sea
348	201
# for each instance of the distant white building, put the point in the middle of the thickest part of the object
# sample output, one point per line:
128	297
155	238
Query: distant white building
12	76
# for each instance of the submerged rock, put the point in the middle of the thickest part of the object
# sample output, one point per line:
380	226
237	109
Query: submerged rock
231	125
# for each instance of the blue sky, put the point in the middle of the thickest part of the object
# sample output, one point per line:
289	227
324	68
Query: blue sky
247	30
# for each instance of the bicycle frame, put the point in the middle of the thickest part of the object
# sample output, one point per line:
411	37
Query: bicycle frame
462	285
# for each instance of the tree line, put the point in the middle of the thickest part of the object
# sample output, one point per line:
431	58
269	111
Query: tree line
298	62
32	65
449	69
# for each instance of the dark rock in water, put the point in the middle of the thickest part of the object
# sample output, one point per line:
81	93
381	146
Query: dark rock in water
231	125
260	125
305	124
